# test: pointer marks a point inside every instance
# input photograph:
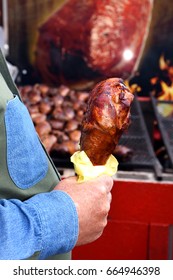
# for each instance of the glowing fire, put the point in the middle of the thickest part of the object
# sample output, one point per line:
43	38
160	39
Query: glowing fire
162	84
133	88
167	92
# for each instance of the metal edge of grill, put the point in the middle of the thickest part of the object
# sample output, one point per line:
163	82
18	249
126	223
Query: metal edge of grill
164	124
144	157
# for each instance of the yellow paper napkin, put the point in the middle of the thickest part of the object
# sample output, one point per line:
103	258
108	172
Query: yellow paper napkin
86	170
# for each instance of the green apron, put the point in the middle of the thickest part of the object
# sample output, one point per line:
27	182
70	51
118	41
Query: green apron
8	187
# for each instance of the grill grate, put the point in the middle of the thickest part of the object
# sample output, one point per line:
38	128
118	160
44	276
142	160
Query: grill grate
164	115
137	139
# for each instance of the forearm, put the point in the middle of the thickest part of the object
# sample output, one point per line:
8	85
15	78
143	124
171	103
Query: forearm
46	223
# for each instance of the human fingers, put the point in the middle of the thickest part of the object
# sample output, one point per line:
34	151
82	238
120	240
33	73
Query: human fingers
109	197
107	182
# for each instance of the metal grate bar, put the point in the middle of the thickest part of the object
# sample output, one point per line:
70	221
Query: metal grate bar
164	118
137	138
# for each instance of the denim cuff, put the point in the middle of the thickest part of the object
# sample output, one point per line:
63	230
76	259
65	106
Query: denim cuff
59	222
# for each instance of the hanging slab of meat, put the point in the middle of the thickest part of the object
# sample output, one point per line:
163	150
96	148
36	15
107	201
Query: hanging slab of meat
91	39
106	118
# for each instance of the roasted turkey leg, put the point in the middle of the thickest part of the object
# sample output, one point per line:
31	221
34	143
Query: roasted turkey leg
106	118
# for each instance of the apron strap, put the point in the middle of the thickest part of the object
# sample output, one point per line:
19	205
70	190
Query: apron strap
7	76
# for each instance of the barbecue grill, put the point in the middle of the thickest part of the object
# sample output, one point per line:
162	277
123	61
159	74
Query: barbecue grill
137	139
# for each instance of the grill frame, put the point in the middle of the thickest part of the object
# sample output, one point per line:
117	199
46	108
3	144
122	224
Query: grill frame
164	124
144	158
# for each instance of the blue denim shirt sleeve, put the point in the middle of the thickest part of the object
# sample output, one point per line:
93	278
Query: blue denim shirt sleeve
47	222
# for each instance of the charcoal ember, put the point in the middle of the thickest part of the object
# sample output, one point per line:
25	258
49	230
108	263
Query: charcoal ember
90	42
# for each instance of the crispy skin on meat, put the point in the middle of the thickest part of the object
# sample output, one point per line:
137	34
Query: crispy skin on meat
106	117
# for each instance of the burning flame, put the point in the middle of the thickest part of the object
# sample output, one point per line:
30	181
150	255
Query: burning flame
133	87
161	85
167	92
163	64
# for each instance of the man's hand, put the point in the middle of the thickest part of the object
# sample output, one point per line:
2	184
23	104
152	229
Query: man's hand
92	200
